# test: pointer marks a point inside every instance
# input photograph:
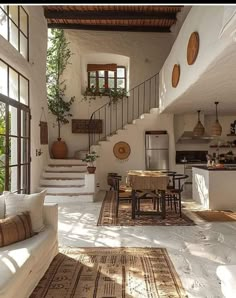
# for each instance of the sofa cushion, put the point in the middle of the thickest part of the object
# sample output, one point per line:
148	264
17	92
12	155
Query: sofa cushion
15	228
15	203
227	275
2	206
18	260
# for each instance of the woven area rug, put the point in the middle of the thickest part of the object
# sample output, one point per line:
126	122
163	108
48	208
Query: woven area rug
108	217
110	273
215	215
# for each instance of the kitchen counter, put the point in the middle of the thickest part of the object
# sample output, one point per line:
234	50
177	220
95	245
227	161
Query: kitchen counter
228	168
213	188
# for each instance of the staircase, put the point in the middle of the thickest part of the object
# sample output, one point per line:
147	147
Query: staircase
67	180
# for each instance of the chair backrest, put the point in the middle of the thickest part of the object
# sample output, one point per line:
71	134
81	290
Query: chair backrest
111	179
170	174
180	180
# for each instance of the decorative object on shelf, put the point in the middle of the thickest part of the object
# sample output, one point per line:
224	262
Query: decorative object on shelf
216	129
82	125
199	128
175	75
121	150
90	159
192	48
58	55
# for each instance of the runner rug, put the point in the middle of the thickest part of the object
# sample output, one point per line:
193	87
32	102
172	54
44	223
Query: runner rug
108	217
215	215
110	273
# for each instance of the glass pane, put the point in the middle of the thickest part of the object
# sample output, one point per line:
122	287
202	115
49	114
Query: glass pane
120	83
3	80
2	179
23	21
13	13
24	151
101	82
101	73
12	121
24	124
13	151
24	178
3	24
92	83
13	179
4	7
24	96
23	46
13	35
2	118
111	83
2	150
111	74
92	74
120	72
13	84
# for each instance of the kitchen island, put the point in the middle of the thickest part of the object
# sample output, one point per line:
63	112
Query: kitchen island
214	188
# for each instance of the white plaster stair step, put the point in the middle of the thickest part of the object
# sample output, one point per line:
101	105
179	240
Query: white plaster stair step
52	161
62	182
66	190
155	111
79	168
63	175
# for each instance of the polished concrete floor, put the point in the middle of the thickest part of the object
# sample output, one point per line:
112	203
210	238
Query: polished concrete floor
195	251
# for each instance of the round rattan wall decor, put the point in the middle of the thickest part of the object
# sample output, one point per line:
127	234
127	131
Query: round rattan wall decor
193	48
175	75
121	150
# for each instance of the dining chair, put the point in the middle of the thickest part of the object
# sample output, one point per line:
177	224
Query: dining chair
176	193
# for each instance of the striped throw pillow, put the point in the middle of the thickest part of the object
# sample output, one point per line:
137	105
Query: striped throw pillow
15	228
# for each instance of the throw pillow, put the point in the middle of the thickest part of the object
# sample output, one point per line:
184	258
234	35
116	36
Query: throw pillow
15	228
16	203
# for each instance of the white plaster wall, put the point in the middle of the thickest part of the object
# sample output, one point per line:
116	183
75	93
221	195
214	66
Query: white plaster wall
135	137
35	71
212	44
145	54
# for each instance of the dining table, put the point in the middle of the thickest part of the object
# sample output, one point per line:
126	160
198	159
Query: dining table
148	183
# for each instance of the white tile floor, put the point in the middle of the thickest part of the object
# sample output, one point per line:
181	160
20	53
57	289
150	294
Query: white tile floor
196	251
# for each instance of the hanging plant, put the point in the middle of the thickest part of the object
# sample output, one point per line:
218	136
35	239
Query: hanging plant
58	55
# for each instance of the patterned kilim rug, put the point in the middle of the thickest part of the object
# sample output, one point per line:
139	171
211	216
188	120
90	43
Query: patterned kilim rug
215	215
110	273
108	217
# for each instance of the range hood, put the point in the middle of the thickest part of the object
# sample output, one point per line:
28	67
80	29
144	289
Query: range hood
188	137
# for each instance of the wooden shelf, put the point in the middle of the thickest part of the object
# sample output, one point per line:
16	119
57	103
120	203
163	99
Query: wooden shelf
223	146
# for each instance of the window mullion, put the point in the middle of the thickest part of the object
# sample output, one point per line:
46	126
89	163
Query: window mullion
97	81
7	148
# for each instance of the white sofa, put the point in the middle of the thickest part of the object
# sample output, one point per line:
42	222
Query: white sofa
24	263
227	276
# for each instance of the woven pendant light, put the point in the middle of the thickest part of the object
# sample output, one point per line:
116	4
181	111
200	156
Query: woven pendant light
216	129
199	128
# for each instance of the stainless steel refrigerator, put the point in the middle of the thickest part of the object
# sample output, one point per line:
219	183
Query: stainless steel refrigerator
156	150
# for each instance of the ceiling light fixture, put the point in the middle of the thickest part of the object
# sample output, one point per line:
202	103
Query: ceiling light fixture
199	128
216	129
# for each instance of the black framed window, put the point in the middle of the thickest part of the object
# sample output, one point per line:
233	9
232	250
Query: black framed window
102	80
14	27
14	130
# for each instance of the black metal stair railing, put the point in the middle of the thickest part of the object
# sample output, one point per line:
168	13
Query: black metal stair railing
115	116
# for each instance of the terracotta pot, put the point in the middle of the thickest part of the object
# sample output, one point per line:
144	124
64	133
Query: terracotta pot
59	149
91	170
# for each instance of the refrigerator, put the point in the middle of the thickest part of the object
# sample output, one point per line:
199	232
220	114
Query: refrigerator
156	150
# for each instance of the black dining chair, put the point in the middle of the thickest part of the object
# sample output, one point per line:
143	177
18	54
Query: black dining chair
176	192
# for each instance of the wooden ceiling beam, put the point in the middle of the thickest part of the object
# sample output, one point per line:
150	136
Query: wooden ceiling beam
109	27
108	15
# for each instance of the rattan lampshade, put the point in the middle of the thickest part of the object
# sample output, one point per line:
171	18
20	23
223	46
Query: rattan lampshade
199	128
216	129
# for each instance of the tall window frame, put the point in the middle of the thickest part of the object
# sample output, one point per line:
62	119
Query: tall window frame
101	80
14	27
14	131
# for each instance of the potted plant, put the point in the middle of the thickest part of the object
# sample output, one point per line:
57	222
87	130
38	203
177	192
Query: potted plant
90	159
58	55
